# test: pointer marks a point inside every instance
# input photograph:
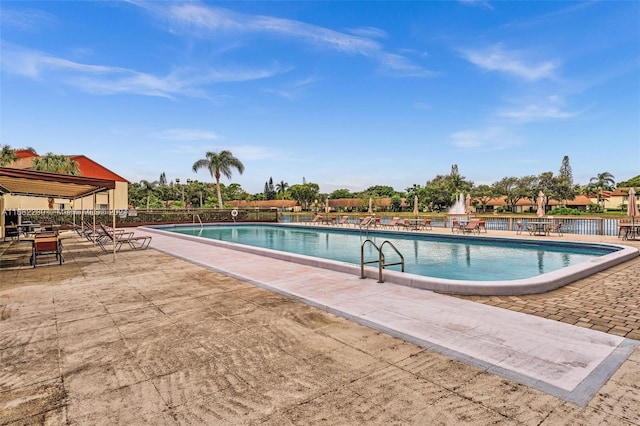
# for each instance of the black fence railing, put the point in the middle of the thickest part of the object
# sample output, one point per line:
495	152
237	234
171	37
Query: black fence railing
585	225
143	217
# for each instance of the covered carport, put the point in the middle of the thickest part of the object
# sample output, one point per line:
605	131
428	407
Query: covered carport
22	182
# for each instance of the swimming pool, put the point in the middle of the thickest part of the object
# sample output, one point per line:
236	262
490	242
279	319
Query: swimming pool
456	264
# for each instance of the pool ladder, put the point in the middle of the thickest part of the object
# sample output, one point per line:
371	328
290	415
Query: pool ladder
380	259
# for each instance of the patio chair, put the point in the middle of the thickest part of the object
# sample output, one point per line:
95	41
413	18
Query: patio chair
118	239
46	244
367	222
393	223
482	226
557	228
455	226
404	224
520	227
472	226
11	231
317	219
344	220
426	224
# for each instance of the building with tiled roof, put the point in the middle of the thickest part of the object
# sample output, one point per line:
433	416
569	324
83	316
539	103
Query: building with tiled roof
87	168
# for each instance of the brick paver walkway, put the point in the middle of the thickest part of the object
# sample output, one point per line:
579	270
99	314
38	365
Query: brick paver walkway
608	301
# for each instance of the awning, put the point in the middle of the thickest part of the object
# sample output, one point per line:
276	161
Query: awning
51	185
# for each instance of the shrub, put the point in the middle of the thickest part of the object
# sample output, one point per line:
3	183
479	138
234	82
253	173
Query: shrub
564	211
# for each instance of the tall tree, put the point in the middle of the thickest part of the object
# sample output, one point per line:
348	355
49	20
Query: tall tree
305	194
269	190
566	172
219	164
7	155
281	188
149	188
54	163
605	181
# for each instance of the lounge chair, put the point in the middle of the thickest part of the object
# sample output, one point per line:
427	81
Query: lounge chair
344	220
111	236
393	223
317	219
11	231
367	222
472	226
46	243
404	224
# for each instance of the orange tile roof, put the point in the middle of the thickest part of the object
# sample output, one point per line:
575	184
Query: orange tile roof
87	167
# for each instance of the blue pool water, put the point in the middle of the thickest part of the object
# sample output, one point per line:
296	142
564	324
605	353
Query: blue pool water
450	257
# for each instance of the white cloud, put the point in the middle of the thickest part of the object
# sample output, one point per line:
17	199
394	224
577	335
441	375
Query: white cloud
493	138
368	32
196	18
100	79
549	108
187	135
496	58
480	3
25	20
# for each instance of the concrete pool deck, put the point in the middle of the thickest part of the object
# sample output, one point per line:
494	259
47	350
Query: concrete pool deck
460	365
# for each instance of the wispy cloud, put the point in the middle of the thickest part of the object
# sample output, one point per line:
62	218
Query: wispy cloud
493	138
197	18
100	79
25	20
369	32
478	3
186	135
551	108
497	58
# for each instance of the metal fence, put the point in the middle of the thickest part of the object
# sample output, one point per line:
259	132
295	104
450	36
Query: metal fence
144	217
570	224
586	225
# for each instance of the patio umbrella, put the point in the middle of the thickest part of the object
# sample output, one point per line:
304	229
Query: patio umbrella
540	204
370	205
467	204
632	208
415	206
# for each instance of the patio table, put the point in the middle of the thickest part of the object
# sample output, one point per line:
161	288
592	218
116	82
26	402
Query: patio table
541	228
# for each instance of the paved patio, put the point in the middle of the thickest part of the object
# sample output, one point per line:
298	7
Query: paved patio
153	338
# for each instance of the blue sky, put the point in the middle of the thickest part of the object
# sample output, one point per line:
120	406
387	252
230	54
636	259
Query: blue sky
343	94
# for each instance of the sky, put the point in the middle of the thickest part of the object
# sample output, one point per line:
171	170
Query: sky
342	94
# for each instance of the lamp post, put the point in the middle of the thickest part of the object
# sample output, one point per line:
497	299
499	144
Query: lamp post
188	183
179	187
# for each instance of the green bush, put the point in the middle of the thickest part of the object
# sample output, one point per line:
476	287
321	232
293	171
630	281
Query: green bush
565	211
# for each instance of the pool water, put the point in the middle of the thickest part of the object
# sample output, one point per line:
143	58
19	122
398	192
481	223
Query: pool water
449	257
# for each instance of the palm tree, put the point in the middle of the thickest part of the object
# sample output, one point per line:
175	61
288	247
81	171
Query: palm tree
281	188
54	163
604	181
149	188
219	164
7	155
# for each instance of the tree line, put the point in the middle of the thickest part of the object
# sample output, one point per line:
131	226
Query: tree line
437	194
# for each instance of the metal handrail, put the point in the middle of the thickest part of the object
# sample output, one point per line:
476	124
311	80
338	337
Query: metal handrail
380	260
199	220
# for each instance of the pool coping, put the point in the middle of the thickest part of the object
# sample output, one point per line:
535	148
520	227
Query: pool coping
533	285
